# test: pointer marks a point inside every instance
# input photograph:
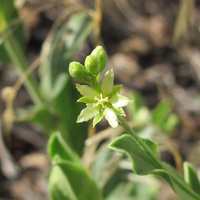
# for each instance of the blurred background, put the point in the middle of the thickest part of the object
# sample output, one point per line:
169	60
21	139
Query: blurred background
154	49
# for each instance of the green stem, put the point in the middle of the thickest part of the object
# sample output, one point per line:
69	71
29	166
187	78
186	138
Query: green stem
18	58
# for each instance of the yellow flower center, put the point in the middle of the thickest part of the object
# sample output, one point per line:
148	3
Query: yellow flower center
101	100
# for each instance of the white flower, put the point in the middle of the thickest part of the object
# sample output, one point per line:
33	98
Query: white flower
105	101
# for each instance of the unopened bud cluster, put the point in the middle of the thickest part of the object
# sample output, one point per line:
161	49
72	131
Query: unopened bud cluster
94	64
101	96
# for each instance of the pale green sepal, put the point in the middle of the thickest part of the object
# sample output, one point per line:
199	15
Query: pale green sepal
86	100
107	83
86	114
86	90
97	119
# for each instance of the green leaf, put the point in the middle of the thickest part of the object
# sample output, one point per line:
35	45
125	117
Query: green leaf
88	113
57	147
183	191
3	55
7	12
142	154
161	113
163	118
142	117
59	186
70	181
171	123
137	190
9	20
136	103
118	183
59	49
68	178
59	85
99	166
67	110
191	177
142	161
139	113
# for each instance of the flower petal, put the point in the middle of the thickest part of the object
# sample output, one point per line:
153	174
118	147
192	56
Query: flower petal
111	117
107	83
119	101
88	113
86	90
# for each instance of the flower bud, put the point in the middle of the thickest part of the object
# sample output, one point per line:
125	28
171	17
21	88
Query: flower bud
78	72
101	57
91	64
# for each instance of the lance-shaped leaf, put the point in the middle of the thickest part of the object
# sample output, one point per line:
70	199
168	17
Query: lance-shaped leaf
69	180
64	42
9	20
57	147
142	153
191	177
